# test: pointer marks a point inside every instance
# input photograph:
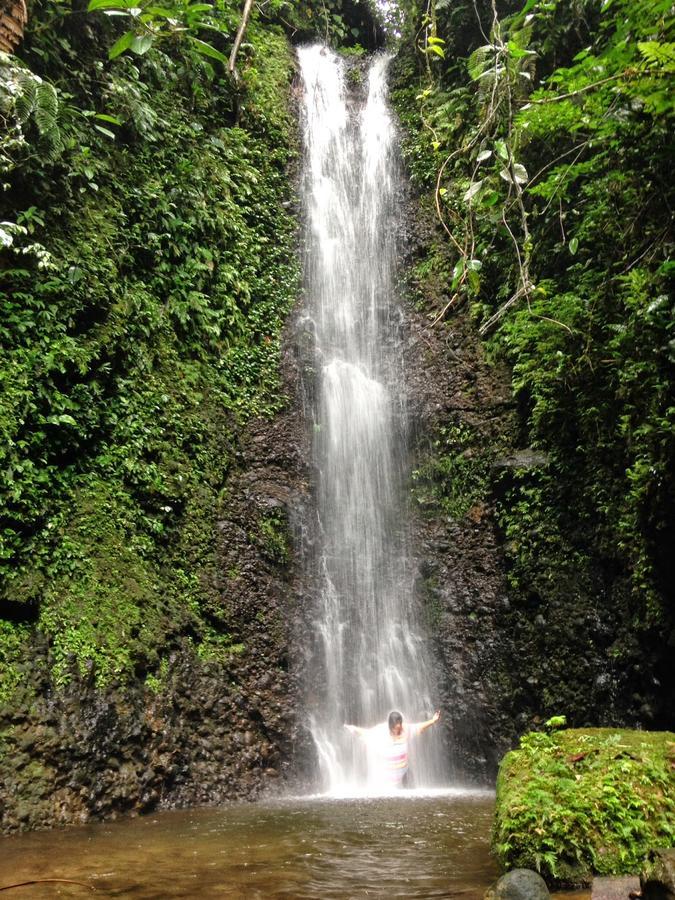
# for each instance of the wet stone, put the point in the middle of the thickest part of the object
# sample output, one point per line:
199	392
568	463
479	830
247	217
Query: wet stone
615	888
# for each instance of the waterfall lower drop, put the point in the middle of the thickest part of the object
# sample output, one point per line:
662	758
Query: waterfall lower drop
369	654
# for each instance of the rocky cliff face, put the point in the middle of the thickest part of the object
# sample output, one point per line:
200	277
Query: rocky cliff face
511	652
461	413
210	730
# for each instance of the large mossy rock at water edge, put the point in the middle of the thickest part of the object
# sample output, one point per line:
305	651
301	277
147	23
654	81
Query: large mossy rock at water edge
582	802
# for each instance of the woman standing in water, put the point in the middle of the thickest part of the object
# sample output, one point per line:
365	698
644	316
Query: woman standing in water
391	742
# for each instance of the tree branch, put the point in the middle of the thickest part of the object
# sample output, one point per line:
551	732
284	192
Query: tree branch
248	6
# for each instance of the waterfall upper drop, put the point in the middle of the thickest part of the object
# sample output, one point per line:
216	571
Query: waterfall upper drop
369	654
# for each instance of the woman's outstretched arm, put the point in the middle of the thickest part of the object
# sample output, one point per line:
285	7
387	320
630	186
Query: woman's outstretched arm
422	726
356	729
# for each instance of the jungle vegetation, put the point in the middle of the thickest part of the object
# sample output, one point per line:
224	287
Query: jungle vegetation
539	136
147	265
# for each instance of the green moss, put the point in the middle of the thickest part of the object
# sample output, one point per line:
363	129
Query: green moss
453	475
216	647
581	802
96	610
14	642
156	683
132	361
273	537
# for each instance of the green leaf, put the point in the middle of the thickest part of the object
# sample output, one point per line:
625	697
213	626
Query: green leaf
104	4
106	131
457	273
490	198
104	117
517	52
63	419
480	61
500	150
141	45
574	245
472	191
517	173
121	45
207	50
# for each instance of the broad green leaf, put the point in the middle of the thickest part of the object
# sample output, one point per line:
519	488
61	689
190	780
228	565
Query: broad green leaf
501	150
574	245
142	44
483	155
104	117
63	419
105	4
472	191
517	52
480	60
490	198
121	44
207	50
518	175
457	273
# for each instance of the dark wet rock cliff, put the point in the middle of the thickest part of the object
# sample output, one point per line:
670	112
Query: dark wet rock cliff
212	730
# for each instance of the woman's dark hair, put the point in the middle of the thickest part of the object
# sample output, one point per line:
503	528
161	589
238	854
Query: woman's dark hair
395	718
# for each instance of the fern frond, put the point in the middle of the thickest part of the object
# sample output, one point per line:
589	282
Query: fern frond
46	108
25	99
480	61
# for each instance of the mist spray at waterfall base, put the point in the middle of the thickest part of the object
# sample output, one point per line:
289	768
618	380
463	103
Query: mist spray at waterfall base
369	652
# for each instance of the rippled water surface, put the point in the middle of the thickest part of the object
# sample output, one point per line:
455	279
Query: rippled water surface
405	846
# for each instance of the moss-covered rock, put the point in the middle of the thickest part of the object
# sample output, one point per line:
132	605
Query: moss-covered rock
581	802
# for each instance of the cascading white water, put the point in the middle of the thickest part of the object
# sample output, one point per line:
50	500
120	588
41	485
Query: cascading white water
370	655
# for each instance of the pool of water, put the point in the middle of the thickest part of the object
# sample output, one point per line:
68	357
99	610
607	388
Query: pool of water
410	846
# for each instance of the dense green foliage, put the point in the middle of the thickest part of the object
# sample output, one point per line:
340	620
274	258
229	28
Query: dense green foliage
147	269
541	134
576	803
453	476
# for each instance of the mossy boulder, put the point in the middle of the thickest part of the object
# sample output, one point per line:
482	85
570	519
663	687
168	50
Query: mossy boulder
582	802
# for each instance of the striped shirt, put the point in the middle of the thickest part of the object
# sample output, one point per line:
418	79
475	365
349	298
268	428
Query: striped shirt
393	752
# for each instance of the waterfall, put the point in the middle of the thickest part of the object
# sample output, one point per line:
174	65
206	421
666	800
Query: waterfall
369	654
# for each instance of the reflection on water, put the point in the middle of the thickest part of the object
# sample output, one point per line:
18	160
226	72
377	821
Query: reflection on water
405	846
